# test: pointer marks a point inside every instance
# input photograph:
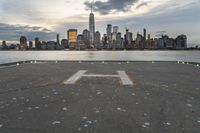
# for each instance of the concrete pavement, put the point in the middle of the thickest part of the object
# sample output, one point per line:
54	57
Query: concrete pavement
164	98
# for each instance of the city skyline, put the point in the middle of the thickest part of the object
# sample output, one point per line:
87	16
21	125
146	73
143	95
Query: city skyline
39	19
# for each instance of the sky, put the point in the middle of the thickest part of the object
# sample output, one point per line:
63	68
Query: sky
46	18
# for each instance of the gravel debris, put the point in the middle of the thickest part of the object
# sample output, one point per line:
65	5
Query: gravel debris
56	122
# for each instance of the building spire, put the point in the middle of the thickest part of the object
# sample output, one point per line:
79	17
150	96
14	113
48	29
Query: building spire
92	6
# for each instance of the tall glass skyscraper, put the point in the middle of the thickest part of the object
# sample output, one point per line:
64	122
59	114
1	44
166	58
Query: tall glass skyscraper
92	26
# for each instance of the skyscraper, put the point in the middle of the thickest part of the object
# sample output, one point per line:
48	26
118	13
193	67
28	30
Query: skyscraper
72	38
149	41
181	42
115	29
23	42
97	38
109	30
118	38
37	44
58	39
86	37
114	34
92	25
109	33
145	37
145	34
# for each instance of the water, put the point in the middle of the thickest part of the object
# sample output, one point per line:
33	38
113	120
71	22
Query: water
14	56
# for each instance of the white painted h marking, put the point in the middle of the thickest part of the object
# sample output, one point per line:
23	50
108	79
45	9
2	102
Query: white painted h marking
125	80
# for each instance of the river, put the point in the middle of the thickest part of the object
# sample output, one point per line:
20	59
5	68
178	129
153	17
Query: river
14	56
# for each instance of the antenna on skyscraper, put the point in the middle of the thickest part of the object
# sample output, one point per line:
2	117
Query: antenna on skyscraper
92	4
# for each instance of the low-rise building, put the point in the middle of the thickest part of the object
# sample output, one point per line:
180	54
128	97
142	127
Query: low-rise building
181	42
64	43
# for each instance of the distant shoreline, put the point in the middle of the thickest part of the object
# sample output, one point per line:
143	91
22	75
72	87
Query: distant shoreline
114	50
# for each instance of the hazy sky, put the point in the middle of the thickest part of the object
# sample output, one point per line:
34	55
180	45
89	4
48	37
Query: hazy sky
45	18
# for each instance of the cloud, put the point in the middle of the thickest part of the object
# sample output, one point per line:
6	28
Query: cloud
13	32
142	4
106	7
37	17
19	9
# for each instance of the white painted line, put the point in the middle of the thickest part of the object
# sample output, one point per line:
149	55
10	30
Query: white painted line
101	76
74	78
124	78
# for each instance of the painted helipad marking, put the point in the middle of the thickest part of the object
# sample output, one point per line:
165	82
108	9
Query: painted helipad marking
125	80
73	79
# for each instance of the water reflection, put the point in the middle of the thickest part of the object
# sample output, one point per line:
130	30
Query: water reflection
13	56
